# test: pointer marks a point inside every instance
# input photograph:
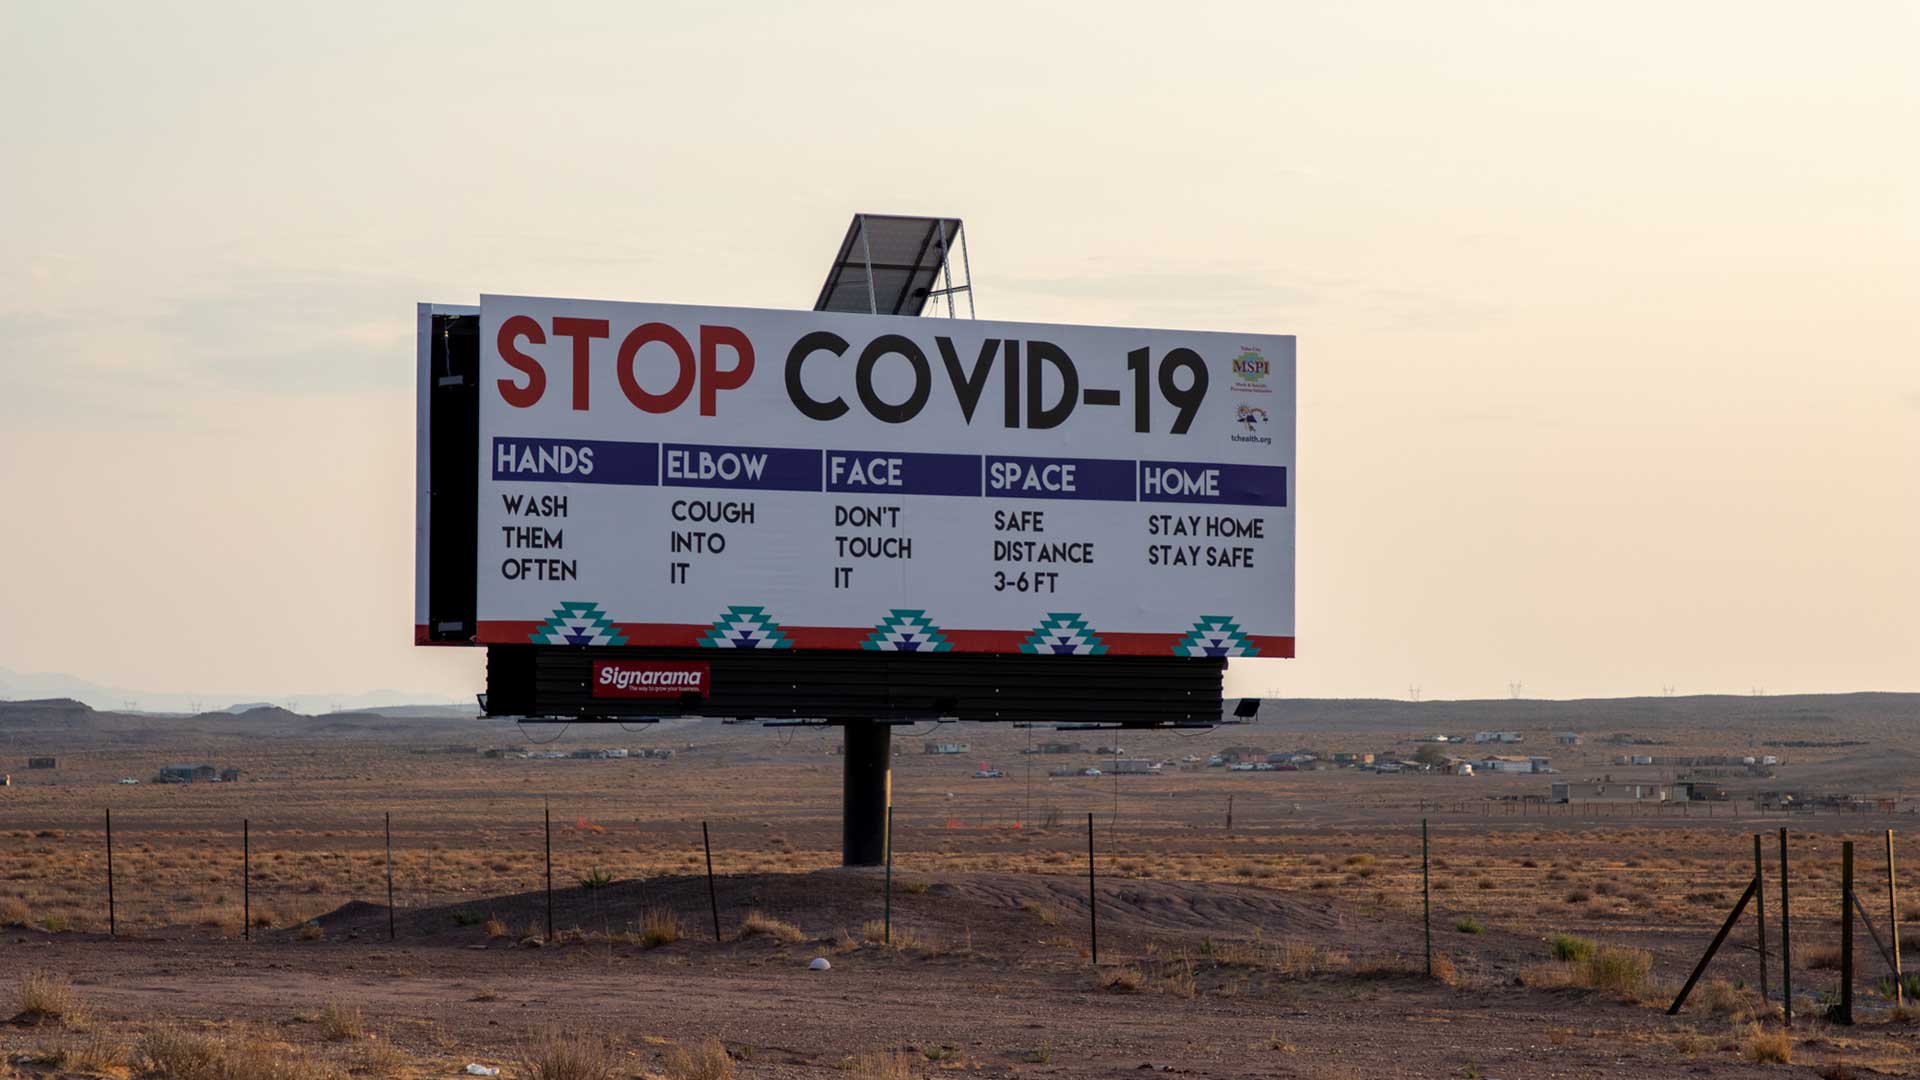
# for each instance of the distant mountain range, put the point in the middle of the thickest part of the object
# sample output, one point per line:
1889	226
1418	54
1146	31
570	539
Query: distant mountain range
16	686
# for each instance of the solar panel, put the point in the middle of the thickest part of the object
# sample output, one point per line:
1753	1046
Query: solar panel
889	265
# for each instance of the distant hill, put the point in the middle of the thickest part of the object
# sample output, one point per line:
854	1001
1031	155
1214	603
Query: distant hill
1762	716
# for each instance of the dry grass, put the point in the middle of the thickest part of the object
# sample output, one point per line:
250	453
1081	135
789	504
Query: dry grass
339	1021
706	1060
14	911
562	1055
759	922
181	1055
660	926
47	998
1722	998
1767	1047
94	1052
379	1057
496	928
881	1065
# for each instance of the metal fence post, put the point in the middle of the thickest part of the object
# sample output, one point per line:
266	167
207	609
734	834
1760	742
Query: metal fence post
713	898
1844	1012
1786	938
246	882
113	929
546	813
887	929
1893	928
1426	896
1093	901
1760	911
390	930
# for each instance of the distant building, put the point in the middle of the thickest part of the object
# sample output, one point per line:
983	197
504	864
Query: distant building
1504	763
229	775
1343	757
946	748
1136	767
1567	738
1582	791
40	763
1496	736
1109	751
1060	748
187	774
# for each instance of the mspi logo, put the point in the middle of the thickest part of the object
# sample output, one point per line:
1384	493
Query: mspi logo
656	679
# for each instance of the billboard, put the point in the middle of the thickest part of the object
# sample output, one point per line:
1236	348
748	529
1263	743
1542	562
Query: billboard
733	478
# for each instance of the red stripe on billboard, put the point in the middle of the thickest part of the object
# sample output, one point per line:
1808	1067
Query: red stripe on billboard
690	635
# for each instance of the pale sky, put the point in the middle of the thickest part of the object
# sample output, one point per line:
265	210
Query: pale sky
1606	313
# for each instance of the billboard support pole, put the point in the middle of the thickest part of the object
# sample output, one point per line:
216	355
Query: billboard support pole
246	882
867	793
887	928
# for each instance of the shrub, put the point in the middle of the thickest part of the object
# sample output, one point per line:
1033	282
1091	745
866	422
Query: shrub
47	998
660	927
1568	948
1578	896
1767	1047
706	1061
1469	926
1617	969
464	917
496	928
597	879
758	922
558	1055
14	912
1124	980
1443	969
339	1021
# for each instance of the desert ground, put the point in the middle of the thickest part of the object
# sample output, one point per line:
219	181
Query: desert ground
1249	923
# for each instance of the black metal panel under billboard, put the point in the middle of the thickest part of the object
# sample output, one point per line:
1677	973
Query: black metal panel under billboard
558	681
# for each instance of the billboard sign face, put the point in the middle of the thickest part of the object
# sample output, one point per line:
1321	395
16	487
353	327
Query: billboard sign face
735	478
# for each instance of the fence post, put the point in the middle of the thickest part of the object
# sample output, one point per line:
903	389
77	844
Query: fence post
246	883
1786	938
390	930
113	929
887	930
1093	901
713	898
1844	1013
1893	928
1426	896
1760	912
546	811
1229	813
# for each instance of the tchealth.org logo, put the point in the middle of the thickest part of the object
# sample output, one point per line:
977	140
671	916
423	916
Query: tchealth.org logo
648	678
1253	420
1250	371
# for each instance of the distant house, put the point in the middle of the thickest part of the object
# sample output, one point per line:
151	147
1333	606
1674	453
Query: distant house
1505	763
1496	736
1567	738
945	748
589	754
229	775
1109	751
495	753
187	774
1344	757
1060	748
41	763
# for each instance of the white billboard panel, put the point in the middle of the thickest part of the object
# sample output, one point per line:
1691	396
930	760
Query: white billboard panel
666	475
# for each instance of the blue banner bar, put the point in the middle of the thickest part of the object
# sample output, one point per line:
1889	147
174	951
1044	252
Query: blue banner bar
882	471
576	461
1201	482
759	468
1060	478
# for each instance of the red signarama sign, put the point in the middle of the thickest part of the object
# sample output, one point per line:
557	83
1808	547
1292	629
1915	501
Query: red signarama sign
648	678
